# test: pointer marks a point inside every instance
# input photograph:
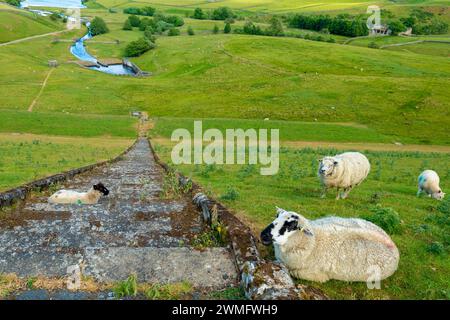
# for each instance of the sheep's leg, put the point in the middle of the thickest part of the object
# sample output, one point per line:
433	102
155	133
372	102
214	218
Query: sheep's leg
419	191
324	192
338	194
346	192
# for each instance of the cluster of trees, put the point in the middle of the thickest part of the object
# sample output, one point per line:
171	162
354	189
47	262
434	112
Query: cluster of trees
138	47
342	24
424	22
275	29
421	22
222	13
158	24
145	11
98	26
14	2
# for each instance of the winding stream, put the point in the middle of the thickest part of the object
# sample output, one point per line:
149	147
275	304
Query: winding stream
78	49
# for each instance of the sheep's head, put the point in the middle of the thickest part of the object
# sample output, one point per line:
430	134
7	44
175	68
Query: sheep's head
438	195
101	188
285	225
327	166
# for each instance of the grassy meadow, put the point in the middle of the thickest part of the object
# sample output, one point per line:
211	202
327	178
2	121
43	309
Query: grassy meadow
391	103
27	157
16	24
391	184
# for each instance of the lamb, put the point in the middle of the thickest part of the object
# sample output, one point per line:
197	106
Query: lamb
346	249
70	196
345	171
429	183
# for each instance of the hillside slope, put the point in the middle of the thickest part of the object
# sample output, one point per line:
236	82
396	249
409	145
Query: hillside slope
16	24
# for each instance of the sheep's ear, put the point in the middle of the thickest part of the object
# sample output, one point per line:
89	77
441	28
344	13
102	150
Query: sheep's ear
306	231
279	210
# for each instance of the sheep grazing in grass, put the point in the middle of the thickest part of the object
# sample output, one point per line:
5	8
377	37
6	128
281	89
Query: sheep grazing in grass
344	249
429	183
343	171
70	196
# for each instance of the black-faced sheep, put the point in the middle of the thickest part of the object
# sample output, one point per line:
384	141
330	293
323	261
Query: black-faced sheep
70	196
343	171
331	248
429	183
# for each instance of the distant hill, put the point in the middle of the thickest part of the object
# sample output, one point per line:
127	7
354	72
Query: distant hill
16	24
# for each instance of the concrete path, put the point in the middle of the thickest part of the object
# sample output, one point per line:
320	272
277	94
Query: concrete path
133	230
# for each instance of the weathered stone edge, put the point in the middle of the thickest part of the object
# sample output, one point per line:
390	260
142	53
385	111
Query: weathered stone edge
261	279
11	196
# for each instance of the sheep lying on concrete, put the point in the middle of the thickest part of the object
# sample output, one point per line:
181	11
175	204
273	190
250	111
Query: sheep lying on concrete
429	183
70	196
343	171
331	248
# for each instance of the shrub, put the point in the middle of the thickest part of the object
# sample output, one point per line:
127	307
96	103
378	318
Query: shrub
162	26
173	32
98	26
276	27
444	206
14	2
145	22
127	25
436	248
126	288
199	14
386	218
222	13
230	194
54	16
227	28
149	33
215	29
138	47
145	11
190	31
134	20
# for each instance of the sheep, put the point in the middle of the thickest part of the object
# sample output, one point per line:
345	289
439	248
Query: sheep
346	249
70	196
345	171
429	183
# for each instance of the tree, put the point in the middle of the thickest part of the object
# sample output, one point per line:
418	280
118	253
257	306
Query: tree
54	16
173	32
216	29
199	14
149	32
127	25
138	47
144	23
396	27
134	20
227	28
14	2
190	31
98	26
222	13
276	27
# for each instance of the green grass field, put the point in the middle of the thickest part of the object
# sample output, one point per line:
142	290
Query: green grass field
319	95
26	157
391	184
16	24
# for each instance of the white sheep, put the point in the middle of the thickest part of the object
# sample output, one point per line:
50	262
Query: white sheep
345	171
345	249
70	196
429	183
